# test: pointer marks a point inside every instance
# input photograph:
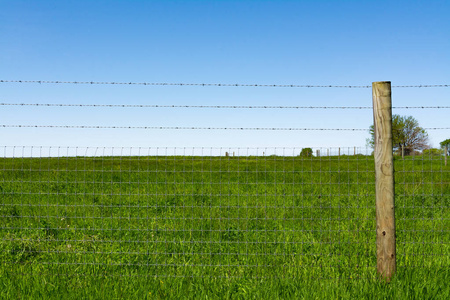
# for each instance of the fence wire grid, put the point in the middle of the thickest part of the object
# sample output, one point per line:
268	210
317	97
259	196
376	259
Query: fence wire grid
214	212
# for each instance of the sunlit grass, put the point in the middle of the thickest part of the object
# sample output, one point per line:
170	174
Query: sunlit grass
217	227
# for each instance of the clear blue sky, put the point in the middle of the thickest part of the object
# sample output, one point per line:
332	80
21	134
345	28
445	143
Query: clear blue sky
248	42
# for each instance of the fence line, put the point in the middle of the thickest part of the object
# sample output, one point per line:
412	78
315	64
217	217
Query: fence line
219	212
181	128
219	84
196	128
213	106
224	215
213	212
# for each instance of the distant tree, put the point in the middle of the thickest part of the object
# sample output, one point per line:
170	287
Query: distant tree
406	132
307	152
446	143
433	152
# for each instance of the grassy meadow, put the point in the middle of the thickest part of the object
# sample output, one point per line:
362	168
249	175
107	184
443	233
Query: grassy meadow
205	226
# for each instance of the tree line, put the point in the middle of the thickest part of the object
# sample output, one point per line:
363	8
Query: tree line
408	138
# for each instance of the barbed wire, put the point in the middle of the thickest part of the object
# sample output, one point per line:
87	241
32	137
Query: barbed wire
212	106
217	84
181	128
421	86
195	128
419	107
184	84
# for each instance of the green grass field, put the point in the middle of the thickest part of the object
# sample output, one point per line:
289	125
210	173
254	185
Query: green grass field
152	227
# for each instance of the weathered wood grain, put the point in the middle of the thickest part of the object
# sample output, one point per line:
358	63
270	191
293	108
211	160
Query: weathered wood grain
384	172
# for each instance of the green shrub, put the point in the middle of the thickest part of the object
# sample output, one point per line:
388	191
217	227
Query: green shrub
433	152
307	152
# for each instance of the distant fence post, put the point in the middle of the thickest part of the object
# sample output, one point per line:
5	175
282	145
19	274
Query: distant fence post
384	173
446	152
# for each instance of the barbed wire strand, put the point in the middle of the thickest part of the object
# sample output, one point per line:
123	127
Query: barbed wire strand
179	127
217	84
195	128
212	106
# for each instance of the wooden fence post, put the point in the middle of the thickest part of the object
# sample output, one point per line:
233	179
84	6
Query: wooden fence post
384	173
446	152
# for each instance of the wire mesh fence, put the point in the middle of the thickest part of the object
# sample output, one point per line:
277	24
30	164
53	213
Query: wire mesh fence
422	210
206	212
214	212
